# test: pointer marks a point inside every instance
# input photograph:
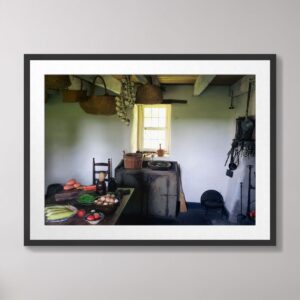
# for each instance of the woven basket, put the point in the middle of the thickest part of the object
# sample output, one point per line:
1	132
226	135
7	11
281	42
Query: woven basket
149	94
57	82
107	209
71	96
99	105
133	160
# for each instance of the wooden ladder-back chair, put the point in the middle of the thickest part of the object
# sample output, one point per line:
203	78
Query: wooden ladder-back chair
96	171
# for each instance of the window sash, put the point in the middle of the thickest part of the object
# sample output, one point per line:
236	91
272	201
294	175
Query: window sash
141	128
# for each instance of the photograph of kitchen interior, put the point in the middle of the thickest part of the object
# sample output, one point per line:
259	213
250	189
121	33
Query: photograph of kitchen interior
150	149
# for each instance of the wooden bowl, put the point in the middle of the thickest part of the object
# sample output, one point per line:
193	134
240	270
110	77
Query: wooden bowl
107	209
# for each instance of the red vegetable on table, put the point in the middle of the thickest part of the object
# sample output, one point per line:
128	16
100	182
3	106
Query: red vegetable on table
89	188
71	182
97	216
90	218
68	187
81	213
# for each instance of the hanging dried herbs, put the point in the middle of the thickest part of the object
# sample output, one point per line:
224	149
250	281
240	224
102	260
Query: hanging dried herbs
126	100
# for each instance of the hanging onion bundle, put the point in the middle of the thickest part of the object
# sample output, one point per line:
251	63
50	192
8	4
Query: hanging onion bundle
126	99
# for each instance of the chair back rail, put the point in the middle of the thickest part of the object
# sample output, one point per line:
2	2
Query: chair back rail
107	170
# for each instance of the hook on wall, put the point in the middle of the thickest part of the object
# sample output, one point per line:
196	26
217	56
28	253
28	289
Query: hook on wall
231	100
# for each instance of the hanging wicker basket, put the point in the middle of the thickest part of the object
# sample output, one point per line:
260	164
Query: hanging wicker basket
149	94
57	82
71	96
99	104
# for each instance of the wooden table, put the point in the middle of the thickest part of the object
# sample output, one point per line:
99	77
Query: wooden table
108	220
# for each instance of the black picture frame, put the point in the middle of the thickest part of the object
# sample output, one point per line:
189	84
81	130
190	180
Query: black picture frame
31	57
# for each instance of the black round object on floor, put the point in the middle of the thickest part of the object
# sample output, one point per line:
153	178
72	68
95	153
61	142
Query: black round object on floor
212	199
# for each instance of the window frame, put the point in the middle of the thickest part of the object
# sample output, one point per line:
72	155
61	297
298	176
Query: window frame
141	127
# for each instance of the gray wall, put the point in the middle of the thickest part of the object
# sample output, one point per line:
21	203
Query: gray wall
194	26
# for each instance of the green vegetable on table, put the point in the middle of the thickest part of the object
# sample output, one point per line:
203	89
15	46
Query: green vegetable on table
58	212
86	199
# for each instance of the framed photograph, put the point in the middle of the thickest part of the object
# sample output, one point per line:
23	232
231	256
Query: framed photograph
150	149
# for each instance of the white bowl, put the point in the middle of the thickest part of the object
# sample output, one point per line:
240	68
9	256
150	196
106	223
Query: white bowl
94	222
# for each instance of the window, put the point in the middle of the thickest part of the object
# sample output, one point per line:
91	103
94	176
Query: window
153	127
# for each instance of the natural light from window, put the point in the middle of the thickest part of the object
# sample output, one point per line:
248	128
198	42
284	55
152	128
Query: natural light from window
154	127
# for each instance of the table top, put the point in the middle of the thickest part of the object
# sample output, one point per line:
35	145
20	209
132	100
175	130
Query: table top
146	169
110	219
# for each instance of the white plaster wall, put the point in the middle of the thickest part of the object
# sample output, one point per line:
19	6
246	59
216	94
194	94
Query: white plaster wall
73	138
202	132
201	137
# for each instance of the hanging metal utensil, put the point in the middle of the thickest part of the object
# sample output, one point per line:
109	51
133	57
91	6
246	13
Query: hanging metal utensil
232	165
241	192
231	101
250	187
241	217
247	125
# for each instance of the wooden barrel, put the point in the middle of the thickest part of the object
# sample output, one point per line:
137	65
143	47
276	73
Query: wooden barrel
133	160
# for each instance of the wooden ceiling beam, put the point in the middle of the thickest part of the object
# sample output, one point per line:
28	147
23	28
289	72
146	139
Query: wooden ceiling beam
112	84
173	79
226	79
201	83
135	78
163	79
241	87
177	79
